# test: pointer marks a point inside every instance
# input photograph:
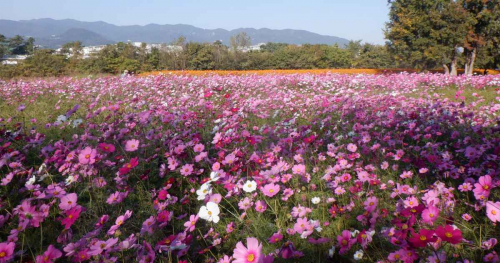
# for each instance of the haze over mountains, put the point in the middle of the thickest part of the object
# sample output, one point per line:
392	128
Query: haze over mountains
53	33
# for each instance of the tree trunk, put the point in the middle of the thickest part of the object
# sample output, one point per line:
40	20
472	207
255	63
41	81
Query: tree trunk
446	69
470	57
453	71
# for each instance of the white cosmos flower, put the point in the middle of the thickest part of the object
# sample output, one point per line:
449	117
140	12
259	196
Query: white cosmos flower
30	182
70	180
358	255
210	212
214	176
77	122
316	200
249	186
204	190
331	251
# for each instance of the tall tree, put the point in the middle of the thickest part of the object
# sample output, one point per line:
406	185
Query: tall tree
482	27
426	33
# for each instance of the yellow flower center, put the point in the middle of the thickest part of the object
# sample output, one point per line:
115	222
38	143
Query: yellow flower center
448	234
344	242
260	207
250	257
486	187
87	156
493	212
2	254
431	215
397	256
423	238
371	203
70	216
411	202
271	190
209	213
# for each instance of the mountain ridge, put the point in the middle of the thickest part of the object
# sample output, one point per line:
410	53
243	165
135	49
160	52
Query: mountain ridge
46	28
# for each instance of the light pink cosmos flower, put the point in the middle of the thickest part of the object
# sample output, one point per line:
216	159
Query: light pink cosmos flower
68	201
411	202
132	145
191	224
352	147
299	169
493	211
187	169
250	254
87	156
270	190
301	225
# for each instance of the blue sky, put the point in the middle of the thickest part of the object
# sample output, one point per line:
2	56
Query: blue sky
351	19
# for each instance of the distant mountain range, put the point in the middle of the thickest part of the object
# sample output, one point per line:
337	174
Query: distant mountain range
53	33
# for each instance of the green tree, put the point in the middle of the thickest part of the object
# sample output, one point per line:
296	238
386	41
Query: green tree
426	33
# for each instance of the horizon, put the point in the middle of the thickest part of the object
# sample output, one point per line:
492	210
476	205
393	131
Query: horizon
330	18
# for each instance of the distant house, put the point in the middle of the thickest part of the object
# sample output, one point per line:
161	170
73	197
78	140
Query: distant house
251	48
12	59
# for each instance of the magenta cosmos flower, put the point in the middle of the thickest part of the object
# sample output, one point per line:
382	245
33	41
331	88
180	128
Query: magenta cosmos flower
132	145
250	254
6	251
87	156
271	190
49	256
449	234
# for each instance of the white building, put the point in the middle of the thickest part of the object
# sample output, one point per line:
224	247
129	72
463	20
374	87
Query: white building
251	48
12	59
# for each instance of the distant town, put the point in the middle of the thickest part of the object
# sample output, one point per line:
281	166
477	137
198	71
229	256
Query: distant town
89	51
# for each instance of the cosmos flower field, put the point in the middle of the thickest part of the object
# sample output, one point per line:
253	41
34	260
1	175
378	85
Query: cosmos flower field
250	168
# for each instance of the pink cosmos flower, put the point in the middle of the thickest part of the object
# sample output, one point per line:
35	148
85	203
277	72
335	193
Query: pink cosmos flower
87	156
493	211
198	148
250	254
352	147
187	169
71	216
105	147
260	206
6	251
276	237
430	214
483	187
147	226
371	203
271	190
345	241
49	256
301	225
132	145
68	201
